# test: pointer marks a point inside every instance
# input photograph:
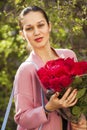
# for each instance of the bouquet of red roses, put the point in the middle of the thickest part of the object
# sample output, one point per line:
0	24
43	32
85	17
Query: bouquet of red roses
58	75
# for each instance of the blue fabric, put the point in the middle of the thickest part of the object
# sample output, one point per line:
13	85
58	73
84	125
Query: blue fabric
7	112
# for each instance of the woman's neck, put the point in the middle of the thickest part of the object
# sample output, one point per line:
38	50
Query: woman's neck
46	53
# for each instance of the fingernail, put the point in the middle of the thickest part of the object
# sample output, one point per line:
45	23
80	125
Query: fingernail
75	91
56	93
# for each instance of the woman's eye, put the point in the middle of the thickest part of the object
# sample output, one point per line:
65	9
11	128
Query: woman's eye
40	25
29	29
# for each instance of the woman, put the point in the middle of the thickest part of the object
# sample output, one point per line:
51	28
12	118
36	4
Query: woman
30	113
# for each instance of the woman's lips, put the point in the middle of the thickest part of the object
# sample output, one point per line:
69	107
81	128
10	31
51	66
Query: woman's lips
39	39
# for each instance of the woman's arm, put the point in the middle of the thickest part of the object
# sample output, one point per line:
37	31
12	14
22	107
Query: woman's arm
26	113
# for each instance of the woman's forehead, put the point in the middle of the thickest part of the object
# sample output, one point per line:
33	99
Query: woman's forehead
33	18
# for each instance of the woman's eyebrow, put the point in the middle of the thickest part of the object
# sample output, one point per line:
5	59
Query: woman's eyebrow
37	23
41	21
29	25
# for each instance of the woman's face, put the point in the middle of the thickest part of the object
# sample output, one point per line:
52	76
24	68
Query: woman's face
36	30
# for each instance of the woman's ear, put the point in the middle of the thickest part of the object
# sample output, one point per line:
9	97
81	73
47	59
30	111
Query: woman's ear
22	34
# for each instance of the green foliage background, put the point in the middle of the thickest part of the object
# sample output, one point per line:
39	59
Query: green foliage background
69	30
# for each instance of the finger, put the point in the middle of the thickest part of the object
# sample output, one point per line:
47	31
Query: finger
55	95
72	96
82	120
78	127
73	103
66	93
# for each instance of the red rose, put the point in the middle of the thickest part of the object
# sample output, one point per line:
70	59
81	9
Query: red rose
65	80
45	81
79	68
54	63
58	74
55	84
69	64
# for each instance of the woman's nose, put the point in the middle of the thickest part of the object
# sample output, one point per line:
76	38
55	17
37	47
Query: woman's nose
36	31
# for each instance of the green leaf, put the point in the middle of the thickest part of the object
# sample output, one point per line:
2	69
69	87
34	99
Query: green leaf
76	111
77	81
81	92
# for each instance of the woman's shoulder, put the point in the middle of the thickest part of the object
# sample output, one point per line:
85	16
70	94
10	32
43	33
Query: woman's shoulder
66	53
64	50
26	67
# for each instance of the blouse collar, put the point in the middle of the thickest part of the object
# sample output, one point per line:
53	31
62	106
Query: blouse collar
36	59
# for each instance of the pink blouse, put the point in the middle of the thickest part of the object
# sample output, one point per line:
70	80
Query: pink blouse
30	114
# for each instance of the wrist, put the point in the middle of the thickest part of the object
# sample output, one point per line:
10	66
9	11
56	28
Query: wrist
46	110
51	106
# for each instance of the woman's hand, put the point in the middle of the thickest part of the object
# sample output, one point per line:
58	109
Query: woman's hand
68	100
82	124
